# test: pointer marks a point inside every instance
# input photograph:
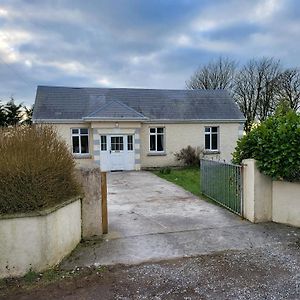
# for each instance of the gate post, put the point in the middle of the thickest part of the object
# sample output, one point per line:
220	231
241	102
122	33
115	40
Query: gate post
89	176
104	202
257	193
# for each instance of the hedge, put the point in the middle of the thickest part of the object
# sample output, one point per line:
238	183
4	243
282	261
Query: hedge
275	144
36	170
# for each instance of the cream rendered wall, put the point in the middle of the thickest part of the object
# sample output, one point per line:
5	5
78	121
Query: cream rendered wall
286	203
64	130
257	193
177	136
116	127
38	241
180	135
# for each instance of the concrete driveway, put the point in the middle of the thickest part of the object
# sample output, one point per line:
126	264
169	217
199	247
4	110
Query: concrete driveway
151	219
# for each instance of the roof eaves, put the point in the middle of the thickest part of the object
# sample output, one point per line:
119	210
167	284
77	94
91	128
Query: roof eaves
196	121
55	121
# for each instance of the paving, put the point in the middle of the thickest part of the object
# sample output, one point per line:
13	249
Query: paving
151	219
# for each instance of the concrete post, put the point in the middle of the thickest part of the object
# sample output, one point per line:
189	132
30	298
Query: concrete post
89	176
257	193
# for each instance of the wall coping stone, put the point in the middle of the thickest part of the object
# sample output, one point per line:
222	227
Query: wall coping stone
40	213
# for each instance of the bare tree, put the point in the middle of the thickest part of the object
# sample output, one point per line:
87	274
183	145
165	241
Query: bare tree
218	74
289	87
255	88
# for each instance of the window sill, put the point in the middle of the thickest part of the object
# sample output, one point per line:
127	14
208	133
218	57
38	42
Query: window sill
211	152
156	154
82	156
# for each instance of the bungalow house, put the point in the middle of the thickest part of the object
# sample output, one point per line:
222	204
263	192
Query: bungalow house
130	129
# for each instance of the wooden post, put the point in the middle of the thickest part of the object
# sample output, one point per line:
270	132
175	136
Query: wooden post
104	202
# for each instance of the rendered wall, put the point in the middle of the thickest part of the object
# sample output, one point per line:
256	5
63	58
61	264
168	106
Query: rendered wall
95	130
38	241
257	193
286	203
89	176
64	131
267	200
178	136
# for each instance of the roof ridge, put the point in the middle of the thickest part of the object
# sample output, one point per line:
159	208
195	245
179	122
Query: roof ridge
131	88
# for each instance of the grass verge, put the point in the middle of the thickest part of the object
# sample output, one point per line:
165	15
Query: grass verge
186	177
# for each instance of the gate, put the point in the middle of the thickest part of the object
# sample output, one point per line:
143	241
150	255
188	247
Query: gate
222	182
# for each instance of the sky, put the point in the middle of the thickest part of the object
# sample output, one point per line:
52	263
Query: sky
136	43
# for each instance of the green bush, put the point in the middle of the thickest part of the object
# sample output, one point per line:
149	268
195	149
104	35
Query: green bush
275	144
36	169
189	156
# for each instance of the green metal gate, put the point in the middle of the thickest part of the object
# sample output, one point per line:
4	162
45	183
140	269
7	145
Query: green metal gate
222	182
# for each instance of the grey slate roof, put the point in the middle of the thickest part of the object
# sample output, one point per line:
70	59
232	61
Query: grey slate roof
78	103
115	110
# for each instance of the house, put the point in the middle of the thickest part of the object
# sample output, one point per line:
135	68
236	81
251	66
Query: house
130	129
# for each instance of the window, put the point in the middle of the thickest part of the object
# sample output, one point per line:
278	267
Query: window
130	143
103	143
116	143
211	138
80	140
157	139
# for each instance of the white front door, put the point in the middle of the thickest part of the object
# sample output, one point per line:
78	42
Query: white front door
118	153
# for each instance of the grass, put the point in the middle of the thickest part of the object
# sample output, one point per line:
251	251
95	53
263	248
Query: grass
189	179
186	177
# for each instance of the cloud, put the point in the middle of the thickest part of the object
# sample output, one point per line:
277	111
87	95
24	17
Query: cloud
133	43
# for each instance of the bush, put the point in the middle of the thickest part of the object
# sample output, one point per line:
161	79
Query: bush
36	169
275	144
189	156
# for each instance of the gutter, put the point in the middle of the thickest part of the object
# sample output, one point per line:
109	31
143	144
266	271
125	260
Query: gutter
147	121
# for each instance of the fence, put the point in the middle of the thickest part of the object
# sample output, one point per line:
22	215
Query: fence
222	182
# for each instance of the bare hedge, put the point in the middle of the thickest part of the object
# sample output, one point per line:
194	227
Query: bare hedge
36	169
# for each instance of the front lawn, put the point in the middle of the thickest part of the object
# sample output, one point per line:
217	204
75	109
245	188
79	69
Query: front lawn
187	177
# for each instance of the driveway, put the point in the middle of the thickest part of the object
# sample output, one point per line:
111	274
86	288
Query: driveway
151	219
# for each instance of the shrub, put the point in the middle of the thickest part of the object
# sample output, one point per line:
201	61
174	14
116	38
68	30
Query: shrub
36	169
189	156
275	144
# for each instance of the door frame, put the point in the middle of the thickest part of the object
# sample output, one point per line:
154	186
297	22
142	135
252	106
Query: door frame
107	155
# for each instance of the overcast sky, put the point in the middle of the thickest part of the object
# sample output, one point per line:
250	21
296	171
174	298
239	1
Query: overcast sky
135	43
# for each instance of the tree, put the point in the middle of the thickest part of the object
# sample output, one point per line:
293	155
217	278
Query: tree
2	116
218	74
255	87
27	117
14	113
289	87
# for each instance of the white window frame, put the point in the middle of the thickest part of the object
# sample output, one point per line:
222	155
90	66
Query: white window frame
156	135
210	134
106	143
79	134
132	144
